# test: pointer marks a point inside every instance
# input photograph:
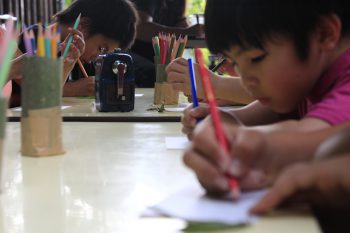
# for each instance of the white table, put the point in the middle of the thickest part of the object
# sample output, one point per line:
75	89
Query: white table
110	173
82	109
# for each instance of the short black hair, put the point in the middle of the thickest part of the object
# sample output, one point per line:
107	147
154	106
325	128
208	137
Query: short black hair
114	19
250	23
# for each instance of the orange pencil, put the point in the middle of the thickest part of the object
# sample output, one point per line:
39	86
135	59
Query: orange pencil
54	42
82	68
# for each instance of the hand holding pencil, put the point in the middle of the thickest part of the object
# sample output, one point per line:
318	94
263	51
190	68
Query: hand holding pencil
193	159
74	49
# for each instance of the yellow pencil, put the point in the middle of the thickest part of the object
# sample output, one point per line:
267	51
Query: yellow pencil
41	42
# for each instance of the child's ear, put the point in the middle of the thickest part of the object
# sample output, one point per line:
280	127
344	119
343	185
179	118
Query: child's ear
329	31
84	26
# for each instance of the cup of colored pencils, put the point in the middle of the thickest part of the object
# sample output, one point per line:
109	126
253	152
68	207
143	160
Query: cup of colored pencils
42	71
166	48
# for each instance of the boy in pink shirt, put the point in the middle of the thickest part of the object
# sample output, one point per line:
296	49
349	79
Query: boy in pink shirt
329	99
292	58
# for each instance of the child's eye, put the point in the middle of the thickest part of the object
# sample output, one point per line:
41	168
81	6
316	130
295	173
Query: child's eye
258	58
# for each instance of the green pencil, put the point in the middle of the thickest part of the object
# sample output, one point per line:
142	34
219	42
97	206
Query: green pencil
75	26
6	64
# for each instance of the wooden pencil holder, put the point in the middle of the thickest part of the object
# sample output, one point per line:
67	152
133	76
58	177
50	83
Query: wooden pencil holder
41	122
163	91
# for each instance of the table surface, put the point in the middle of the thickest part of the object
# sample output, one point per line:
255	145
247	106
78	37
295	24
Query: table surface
82	109
109	174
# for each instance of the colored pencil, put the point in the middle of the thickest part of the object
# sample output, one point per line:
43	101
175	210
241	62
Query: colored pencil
27	42
9	25
48	41
218	65
54	42
193	83
70	39
41	42
8	48
32	42
209	93
81	66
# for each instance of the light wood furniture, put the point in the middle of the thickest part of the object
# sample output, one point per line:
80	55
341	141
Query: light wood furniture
108	176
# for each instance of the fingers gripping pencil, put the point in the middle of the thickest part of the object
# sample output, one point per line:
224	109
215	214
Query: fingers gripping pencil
233	184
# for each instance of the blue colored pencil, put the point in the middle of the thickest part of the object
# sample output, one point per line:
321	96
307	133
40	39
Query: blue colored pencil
193	83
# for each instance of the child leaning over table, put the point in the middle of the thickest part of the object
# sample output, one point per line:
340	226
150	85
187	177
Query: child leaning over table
104	26
286	67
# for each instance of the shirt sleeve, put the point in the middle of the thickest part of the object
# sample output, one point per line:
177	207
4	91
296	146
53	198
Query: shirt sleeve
334	108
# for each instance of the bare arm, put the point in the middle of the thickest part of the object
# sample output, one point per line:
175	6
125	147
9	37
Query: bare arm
255	114
231	89
226	88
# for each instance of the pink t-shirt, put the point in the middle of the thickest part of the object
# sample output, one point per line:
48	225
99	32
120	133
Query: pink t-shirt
330	98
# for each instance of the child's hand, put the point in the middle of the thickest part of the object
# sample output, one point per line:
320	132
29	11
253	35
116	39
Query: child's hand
190	116
178	77
76	48
208	160
227	68
324	183
81	87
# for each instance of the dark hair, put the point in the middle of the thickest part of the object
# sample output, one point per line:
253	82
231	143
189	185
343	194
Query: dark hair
250	23
151	7
172	13
114	19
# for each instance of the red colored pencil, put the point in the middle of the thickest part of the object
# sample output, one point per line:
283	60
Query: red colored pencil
209	93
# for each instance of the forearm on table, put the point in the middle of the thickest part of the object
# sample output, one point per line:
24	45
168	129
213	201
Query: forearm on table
69	89
297	146
303	125
230	88
255	114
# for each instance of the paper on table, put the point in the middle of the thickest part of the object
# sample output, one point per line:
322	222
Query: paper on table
19	109
174	109
176	143
179	108
192	205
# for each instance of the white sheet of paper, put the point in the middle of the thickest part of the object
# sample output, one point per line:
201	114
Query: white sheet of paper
174	109
138	95
192	205
179	108
19	109
176	143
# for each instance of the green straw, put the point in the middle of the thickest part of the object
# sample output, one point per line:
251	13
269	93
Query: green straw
6	65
